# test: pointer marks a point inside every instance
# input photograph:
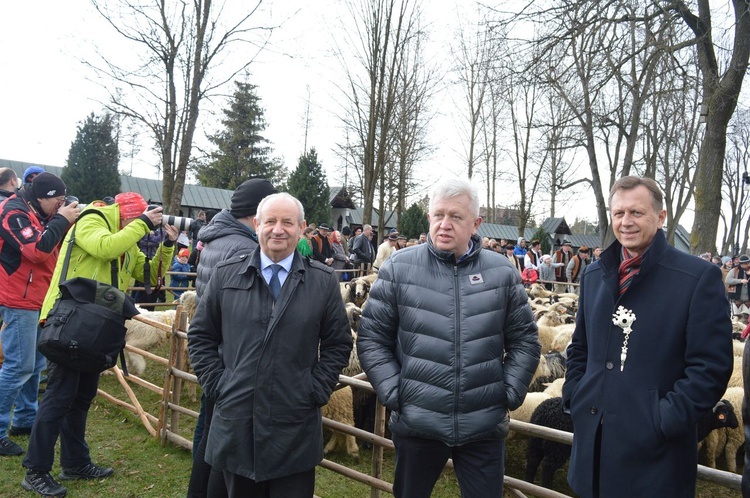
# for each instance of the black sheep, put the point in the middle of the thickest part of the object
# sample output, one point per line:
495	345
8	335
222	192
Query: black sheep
722	415
550	414
551	454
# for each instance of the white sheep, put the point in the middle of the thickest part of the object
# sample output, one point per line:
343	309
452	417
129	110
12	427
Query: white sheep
738	347
555	387
361	290
144	336
736	379
563	338
340	408
550	325
538	290
354	313
524	412
347	292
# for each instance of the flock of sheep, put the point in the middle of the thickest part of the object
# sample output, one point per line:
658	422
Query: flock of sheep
721	433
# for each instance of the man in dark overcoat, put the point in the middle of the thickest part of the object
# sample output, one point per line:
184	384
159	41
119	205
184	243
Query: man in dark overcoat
651	352
284	338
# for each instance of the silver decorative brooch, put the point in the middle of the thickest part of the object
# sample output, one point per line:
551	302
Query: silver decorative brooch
624	319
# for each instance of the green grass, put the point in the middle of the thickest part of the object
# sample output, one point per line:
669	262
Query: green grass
145	468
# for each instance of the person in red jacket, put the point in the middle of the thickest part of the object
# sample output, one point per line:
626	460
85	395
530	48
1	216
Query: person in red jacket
32	224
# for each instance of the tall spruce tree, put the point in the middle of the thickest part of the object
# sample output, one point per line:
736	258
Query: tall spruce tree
414	221
242	151
91	170
308	184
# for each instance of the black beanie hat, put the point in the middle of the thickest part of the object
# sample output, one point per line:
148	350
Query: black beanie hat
46	185
248	195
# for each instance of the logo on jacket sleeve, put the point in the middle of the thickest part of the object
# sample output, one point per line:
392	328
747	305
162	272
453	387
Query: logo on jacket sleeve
27	233
476	279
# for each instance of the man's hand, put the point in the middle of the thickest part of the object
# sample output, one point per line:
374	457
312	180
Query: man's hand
155	215
70	212
172	232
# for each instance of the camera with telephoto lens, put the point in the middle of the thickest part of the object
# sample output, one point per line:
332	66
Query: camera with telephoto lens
182	224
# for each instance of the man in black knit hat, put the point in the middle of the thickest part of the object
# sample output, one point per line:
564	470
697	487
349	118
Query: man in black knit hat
32	224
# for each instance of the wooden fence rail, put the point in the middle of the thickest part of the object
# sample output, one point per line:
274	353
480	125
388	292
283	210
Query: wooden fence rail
166	424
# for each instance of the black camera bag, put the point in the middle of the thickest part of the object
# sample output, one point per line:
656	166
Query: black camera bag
85	329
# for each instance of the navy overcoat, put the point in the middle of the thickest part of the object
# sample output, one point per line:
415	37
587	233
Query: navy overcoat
679	360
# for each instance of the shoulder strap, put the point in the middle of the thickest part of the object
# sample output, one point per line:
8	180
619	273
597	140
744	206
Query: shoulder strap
71	241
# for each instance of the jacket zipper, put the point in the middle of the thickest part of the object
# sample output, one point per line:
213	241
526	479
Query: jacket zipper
456	345
28	283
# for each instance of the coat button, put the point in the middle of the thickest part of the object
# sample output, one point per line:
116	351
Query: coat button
594	411
610	365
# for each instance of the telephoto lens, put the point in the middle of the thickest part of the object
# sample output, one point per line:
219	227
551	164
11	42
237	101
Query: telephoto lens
180	223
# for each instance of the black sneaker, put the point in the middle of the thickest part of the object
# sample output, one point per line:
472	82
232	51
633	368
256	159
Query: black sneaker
9	448
88	471
19	431
43	483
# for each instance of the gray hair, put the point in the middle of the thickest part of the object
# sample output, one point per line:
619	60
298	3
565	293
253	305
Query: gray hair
281	195
454	187
365	227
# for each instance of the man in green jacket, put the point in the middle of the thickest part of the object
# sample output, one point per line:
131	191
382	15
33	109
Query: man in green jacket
64	408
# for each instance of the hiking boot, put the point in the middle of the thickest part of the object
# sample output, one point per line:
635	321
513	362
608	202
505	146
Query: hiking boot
19	431
9	448
88	471
43	483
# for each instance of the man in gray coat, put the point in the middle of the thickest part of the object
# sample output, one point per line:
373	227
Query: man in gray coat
449	343
230	233
285	337
362	249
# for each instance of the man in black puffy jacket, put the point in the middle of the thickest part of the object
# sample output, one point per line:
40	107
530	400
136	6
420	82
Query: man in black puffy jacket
449	343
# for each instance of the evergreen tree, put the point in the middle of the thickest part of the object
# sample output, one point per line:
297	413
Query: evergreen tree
308	184
544	238
91	170
242	151
414	221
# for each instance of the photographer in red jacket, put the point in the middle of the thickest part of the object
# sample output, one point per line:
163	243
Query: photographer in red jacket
32	224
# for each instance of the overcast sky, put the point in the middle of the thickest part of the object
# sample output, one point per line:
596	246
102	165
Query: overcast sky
45	91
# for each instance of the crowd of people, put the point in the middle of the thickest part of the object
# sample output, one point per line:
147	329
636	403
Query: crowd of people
270	336
346	250
557	270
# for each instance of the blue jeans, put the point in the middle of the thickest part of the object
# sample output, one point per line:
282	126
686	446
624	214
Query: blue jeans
19	377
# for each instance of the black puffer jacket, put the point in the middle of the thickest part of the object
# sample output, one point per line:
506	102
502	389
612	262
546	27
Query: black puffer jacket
222	239
450	348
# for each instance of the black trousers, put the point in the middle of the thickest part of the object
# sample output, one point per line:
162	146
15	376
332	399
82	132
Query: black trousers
62	413
205	481
479	467
300	485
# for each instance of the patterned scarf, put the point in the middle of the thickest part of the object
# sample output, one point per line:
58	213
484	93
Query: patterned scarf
629	268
